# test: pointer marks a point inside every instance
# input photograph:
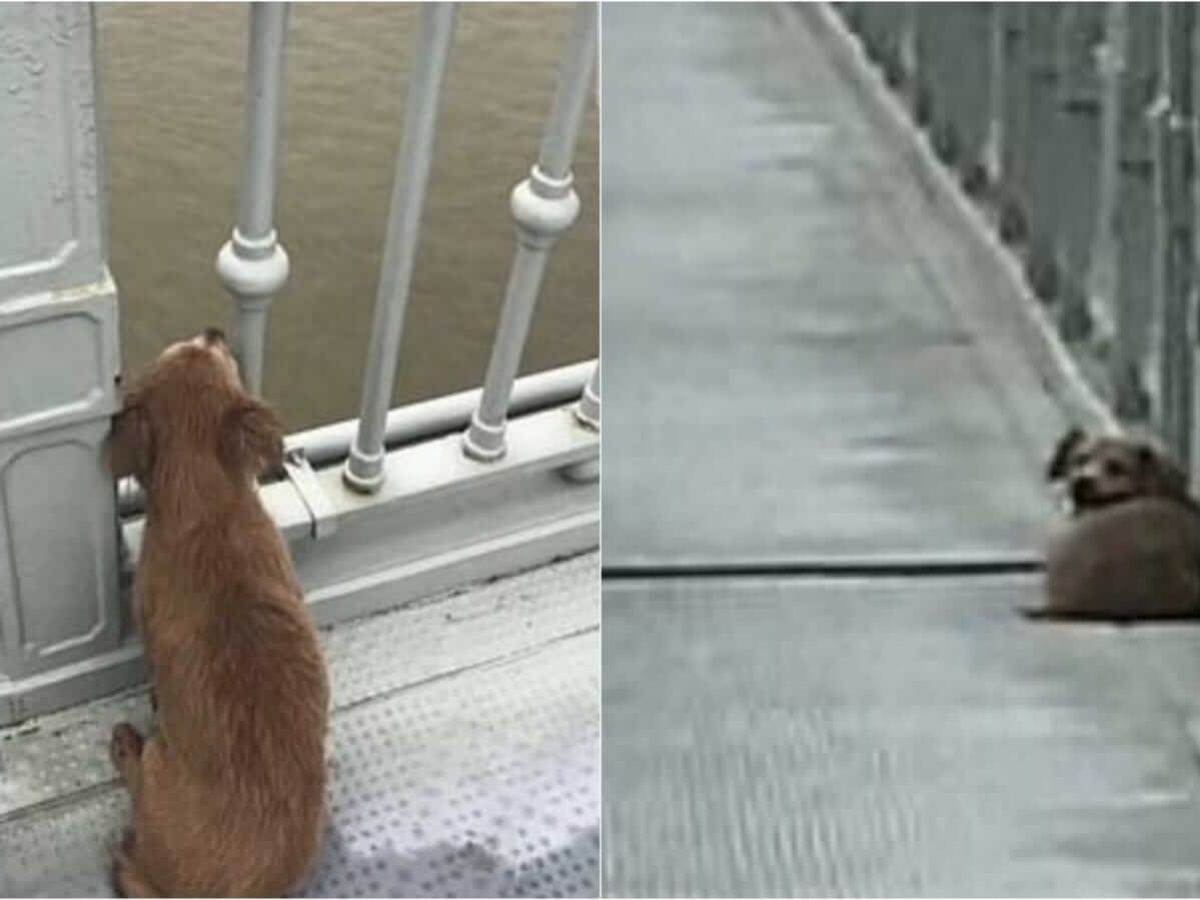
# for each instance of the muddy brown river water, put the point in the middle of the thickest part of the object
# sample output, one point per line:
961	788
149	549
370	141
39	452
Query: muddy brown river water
173	83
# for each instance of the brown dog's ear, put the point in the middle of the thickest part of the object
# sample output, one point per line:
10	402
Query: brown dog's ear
1057	467
252	438
1161	474
129	449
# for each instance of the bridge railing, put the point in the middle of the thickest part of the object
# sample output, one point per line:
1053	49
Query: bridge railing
391	506
1073	125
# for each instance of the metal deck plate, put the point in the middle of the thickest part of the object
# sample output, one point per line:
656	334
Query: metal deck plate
464	756
892	738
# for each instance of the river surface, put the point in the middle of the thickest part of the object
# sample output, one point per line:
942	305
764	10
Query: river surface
173	86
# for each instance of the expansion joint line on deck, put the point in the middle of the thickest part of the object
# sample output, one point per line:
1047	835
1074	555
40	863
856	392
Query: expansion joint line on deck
492	662
860	568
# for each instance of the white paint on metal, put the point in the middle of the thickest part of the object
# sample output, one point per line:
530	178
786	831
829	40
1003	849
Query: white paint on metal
544	206
329	444
252	263
439	522
364	469
59	594
587	410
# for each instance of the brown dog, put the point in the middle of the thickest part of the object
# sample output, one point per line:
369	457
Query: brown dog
228	795
1132	548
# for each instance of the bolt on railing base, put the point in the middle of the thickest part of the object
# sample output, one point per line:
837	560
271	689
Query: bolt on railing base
587	410
482	441
363	472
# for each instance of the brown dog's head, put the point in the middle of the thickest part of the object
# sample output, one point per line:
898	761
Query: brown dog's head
190	403
1103	470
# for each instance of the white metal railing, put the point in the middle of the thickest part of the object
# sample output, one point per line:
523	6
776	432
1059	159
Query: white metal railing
544	206
1074	128
254	267
252	264
364	469
330	444
391	506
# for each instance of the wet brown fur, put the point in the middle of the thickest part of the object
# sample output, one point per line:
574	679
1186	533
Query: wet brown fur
228	794
1131	550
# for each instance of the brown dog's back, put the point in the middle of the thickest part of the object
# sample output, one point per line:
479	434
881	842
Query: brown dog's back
1139	559
231	803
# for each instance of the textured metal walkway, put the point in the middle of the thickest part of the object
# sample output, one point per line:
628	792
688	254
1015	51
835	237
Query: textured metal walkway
464	756
805	370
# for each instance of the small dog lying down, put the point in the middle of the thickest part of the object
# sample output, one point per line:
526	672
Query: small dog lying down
1132	547
228	795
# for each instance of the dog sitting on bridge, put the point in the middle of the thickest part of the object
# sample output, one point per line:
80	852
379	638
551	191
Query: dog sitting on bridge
1131	550
228	795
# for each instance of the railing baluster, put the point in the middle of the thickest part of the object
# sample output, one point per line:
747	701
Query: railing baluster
364	468
1178	201
1101	276
587	410
252	264
544	205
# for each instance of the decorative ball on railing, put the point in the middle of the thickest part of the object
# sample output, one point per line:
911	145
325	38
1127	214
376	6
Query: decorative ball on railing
253	269
544	207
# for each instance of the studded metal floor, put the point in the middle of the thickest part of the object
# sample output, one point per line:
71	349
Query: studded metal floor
465	745
892	738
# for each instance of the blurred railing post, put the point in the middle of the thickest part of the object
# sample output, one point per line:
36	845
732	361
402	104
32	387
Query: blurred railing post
1078	162
60	602
1101	277
587	410
1043	71
364	470
1134	34
991	157
544	206
1094	146
1178	205
1013	153
252	264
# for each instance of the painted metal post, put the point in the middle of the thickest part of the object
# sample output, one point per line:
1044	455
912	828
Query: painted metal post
544	206
1178	204
909	61
1043	133
252	264
971	51
1101	276
1138	277
1014	150
364	468
992	155
587	413
59	594
1078	162
934	103
587	410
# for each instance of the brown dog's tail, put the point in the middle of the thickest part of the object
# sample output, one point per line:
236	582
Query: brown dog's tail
128	879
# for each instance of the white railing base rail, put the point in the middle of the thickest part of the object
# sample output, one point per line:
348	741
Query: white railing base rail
440	522
425	419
